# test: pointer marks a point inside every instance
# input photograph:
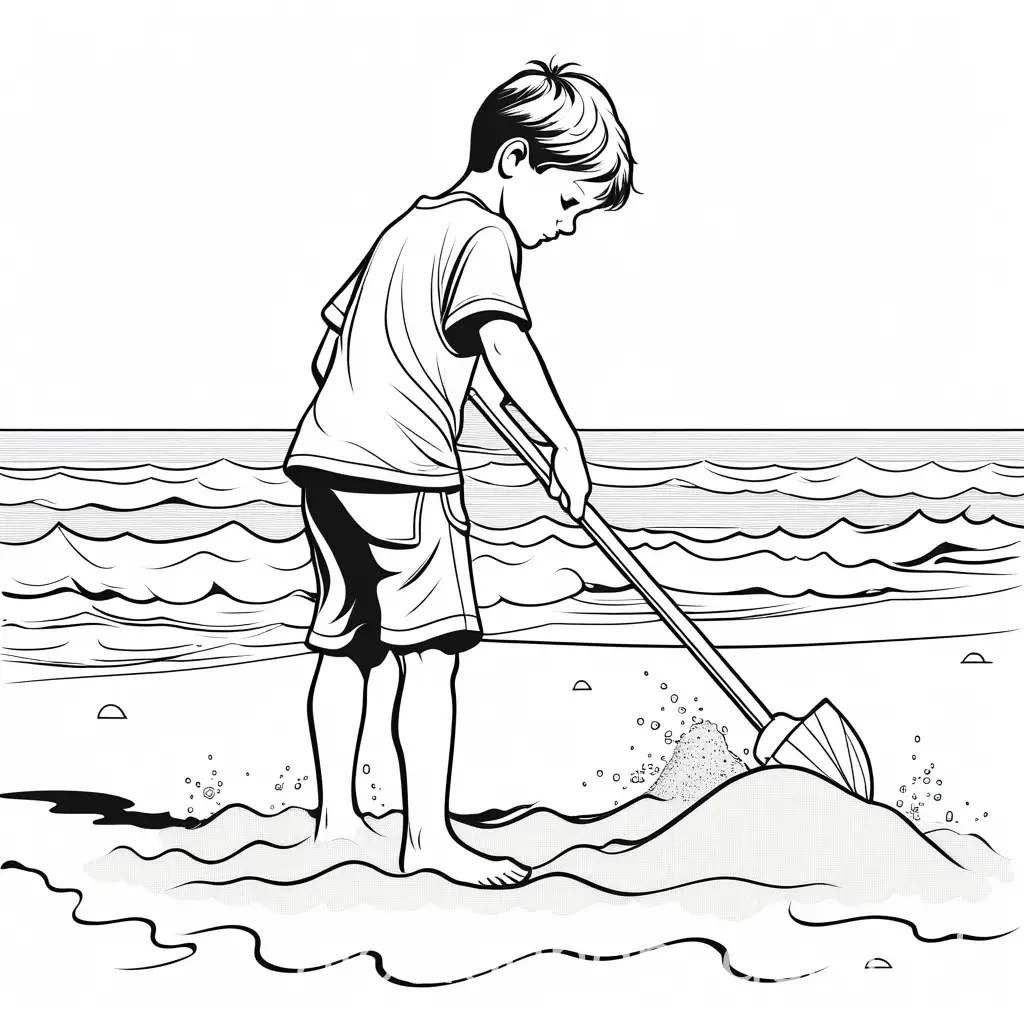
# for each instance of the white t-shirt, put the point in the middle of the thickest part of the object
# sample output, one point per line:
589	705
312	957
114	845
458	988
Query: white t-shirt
390	401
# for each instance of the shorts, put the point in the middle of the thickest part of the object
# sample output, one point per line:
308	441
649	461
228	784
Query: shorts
392	570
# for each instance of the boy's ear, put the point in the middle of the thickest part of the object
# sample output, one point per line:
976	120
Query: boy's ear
512	155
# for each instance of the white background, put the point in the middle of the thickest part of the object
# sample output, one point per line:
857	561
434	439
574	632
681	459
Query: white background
829	236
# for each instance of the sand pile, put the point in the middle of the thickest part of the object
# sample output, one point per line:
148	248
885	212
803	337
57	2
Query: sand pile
700	762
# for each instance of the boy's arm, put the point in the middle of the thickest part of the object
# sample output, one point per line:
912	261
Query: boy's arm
516	364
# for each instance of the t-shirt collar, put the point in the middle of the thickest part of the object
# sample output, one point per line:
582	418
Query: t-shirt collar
429	202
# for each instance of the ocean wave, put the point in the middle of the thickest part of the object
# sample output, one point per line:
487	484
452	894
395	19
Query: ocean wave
224	593
526	567
216	615
550	576
184	586
536	564
131	473
161	503
225	484
220	484
220	530
244	567
540	528
930	480
71	633
160	524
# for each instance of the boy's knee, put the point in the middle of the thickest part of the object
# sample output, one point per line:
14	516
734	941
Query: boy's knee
341	669
431	660
354	661
434	657
451	644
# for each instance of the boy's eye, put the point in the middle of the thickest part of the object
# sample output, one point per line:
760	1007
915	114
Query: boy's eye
568	203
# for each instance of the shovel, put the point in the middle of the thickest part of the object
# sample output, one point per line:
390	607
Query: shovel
822	741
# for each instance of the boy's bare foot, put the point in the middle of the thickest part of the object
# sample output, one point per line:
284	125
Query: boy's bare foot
450	857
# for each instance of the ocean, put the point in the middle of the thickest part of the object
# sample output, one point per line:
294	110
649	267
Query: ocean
161	550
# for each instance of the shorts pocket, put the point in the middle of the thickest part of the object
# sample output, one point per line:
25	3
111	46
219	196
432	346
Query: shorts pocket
455	510
392	519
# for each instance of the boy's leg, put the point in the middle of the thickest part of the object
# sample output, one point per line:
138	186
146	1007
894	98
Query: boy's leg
336	711
424	730
346	620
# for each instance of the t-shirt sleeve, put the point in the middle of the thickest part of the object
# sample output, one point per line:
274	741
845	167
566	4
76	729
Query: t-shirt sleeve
485	281
334	312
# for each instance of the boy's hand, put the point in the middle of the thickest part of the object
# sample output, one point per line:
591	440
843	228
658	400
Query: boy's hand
570	481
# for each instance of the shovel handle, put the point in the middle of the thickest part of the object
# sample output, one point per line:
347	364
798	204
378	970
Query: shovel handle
633	570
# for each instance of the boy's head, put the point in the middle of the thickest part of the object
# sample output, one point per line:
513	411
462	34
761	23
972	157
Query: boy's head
555	139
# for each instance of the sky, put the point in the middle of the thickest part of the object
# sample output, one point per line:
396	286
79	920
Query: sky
829	233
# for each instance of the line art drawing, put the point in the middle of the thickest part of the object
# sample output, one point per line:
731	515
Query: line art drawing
350	646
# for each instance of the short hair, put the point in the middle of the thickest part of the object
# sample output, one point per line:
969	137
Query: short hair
569	121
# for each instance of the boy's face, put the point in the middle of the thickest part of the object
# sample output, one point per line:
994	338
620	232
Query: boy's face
543	205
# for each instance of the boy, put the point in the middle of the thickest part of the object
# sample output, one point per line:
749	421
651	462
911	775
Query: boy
375	452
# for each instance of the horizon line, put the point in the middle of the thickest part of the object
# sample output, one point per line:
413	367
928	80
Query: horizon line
638	430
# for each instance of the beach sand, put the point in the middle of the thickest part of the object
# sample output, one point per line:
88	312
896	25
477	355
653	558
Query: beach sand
524	736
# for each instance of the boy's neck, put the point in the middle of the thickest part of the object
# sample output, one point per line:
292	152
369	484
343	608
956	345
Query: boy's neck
486	186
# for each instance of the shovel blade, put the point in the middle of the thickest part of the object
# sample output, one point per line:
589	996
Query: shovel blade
823	741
